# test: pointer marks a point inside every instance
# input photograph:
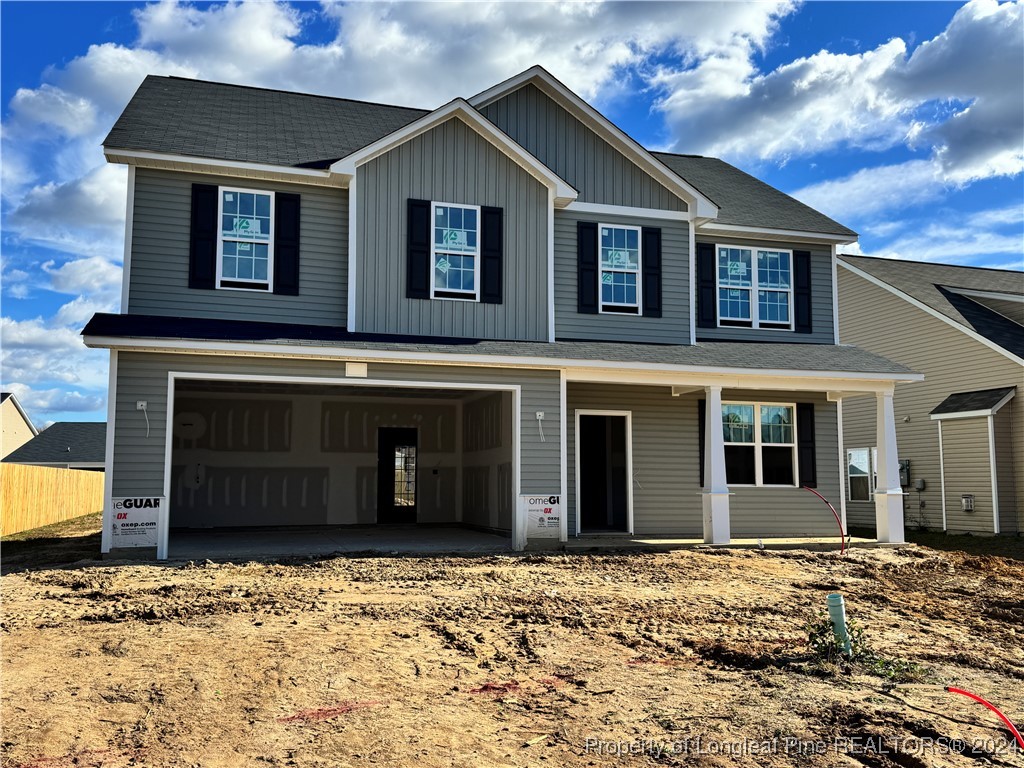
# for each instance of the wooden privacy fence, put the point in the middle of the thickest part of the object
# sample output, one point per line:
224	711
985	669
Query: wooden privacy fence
33	496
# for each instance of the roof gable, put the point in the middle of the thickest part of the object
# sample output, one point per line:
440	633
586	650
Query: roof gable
5	396
938	290
539	77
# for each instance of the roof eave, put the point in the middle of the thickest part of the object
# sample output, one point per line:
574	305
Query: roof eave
209	165
748	232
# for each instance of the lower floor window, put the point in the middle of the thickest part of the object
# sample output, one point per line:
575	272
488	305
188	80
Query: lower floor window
861	466
760	444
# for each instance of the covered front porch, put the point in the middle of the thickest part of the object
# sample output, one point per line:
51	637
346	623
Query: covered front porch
645	469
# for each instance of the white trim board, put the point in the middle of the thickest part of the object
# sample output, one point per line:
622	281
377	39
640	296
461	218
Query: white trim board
107	532
994	474
195	164
126	260
603	127
678	374
601	209
933	312
756	233
628	415
163	522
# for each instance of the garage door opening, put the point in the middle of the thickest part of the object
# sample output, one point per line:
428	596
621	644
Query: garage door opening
326	467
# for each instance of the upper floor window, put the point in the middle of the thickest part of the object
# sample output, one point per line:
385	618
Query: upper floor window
245	248
455	252
620	269
755	287
760	443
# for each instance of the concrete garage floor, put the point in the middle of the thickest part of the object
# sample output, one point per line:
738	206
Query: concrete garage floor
234	544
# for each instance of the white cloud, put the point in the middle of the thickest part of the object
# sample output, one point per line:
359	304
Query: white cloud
95	276
49	105
876	190
56	400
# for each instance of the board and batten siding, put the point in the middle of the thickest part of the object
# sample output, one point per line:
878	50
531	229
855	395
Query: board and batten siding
598	171
822	326
139	460
666	469
968	470
450	163
673	327
880	322
158	274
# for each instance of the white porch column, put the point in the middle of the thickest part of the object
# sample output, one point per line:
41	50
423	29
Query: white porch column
888	495
716	491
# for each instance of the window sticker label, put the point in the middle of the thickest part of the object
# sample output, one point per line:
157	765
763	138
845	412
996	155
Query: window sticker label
606	278
443	265
454	237
244	247
737	269
247	226
228	197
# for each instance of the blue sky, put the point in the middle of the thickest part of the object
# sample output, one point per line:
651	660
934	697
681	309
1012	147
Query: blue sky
904	121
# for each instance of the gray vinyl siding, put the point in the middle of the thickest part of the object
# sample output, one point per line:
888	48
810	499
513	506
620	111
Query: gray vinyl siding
951	361
666	469
1003	428
139	460
673	327
597	170
822	326
968	470
454	164
158	274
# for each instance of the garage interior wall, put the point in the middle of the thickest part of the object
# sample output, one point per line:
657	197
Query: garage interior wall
487	475
296	459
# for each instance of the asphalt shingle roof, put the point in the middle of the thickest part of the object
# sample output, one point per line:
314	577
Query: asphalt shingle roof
755	356
965	402
747	201
178	116
64	442
936	286
232	122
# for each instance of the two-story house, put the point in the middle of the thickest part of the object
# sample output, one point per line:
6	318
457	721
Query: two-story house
344	313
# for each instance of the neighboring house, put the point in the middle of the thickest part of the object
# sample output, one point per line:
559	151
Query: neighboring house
337	312
67	444
16	425
962	430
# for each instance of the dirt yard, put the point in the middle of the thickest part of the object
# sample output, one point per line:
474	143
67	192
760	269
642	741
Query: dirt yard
696	658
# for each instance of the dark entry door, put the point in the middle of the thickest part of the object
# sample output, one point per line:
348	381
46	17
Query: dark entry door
604	480
396	475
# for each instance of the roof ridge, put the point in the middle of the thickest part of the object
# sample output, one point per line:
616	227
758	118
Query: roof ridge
291	93
929	264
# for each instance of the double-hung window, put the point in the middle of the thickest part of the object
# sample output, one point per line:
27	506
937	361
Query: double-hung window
455	252
619	262
760	443
245	244
755	287
861	467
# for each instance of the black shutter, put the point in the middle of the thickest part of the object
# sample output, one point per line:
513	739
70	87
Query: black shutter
701	428
807	460
417	265
586	268
492	237
802	291
651	255
287	215
202	253
707	304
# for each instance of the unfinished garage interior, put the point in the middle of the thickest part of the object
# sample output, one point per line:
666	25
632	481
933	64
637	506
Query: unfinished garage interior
272	456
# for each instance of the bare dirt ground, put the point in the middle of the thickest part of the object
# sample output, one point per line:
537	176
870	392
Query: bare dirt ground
507	660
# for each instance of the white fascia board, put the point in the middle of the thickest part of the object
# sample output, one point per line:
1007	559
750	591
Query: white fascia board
603	127
193	164
460	108
849	380
602	209
928	310
970	292
32	427
974	414
755	233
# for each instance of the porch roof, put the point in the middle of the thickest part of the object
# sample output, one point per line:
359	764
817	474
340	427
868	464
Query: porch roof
120	331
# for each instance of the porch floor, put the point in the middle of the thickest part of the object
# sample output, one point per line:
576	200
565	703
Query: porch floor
232	544
813	543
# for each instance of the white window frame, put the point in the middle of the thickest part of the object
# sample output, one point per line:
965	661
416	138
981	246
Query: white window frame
639	306
872	474
269	282
755	305
475	296
758	444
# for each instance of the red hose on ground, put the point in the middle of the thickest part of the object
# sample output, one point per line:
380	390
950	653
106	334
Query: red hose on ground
1004	718
842	534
